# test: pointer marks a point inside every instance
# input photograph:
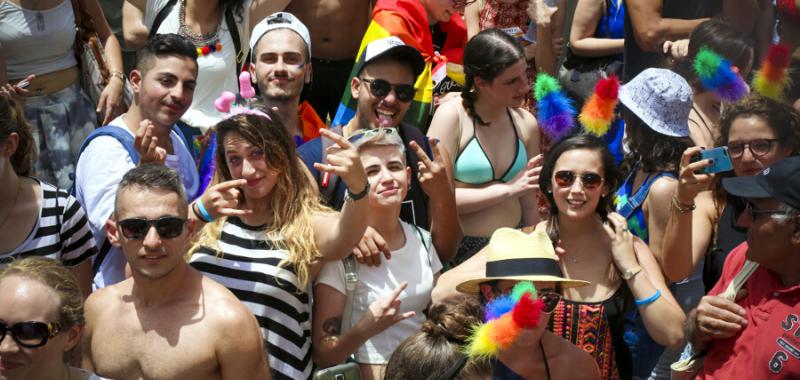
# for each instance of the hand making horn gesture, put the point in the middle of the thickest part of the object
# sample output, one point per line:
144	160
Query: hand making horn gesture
342	159
385	312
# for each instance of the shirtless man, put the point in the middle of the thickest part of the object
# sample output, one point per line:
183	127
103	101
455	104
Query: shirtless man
337	27
167	321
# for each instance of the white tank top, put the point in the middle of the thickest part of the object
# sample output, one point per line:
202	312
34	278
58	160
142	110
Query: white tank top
37	42
215	71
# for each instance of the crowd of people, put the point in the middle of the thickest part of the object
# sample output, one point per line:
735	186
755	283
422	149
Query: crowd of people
319	189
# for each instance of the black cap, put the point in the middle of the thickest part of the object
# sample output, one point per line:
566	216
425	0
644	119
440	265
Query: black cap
780	181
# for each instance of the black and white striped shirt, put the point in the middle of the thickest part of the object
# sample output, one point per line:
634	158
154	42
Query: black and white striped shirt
249	268
61	231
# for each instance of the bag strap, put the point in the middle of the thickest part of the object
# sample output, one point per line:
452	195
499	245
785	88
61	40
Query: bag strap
160	16
747	270
350	282
237	42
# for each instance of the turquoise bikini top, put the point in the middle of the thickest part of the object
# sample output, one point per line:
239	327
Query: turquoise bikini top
474	167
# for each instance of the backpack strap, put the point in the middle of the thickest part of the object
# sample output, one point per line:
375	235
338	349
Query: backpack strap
350	282
638	198
162	14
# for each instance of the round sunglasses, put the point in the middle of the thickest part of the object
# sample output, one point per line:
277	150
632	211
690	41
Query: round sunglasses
380	88
167	227
565	178
30	334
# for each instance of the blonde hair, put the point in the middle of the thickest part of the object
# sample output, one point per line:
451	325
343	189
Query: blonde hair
379	138
55	276
292	200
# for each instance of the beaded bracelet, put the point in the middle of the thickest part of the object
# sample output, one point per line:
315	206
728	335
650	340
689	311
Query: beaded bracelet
649	300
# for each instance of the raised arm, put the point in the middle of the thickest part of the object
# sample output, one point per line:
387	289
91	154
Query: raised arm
662	315
651	30
547	19
330	346
688	231
588	14
112	102
337	233
436	181
133	29
471	17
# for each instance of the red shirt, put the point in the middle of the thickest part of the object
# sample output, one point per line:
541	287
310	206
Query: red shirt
769	346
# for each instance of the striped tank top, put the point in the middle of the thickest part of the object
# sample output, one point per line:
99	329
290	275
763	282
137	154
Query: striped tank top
249	268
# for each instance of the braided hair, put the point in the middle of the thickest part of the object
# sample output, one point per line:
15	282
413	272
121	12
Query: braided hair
487	55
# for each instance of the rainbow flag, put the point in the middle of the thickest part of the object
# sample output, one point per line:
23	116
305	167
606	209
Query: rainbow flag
408	20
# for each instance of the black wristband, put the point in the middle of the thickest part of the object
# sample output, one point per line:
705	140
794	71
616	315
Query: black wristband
359	195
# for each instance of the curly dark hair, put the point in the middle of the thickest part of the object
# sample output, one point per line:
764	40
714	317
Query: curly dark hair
782	118
487	55
611	174
654	151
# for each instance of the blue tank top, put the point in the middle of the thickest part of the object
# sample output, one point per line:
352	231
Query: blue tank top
629	203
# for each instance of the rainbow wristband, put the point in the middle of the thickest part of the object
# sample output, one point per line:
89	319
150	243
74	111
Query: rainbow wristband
203	210
649	300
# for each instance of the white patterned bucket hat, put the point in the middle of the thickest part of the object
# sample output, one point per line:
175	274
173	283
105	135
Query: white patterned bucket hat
662	99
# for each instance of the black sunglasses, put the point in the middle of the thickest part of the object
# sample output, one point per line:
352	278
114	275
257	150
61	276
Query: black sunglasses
30	334
381	88
168	227
550	299
566	178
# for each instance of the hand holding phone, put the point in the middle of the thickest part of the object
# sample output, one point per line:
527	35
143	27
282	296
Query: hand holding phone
719	157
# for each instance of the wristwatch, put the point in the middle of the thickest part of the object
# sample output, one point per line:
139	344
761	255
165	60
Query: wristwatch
628	274
350	197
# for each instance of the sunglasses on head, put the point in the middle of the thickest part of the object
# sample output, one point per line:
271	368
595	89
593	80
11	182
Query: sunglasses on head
168	227
566	178
30	334
381	88
366	133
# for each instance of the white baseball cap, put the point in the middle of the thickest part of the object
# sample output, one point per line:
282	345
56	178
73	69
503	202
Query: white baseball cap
280	20
392	46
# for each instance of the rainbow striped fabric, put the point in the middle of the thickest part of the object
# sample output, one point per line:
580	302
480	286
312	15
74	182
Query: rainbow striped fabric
408	20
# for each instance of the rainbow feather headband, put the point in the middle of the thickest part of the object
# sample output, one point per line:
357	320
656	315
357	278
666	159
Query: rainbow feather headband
555	112
505	317
772	78
597	113
717	74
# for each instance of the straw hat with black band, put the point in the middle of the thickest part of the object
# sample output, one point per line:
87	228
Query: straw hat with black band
519	256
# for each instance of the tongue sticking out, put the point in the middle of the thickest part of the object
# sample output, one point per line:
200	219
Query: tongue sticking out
384	121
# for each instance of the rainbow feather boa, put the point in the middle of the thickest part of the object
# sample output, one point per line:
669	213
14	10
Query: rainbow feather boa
555	112
772	78
717	74
598	112
505	317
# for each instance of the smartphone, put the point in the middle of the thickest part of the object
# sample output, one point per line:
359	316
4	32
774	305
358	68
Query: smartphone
23	83
721	160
